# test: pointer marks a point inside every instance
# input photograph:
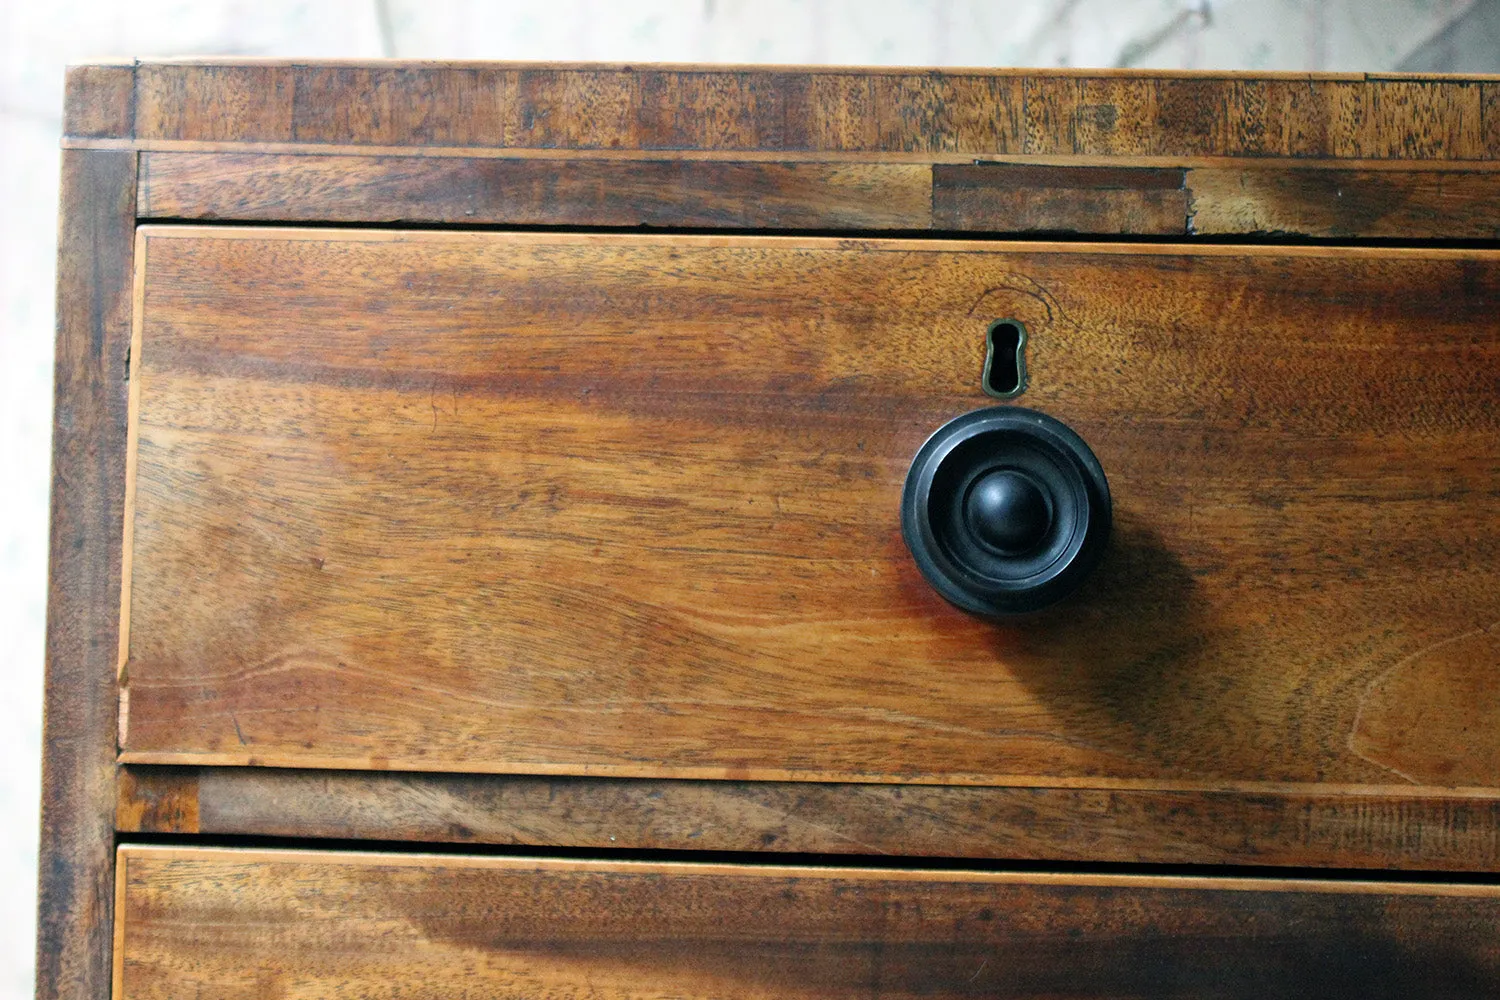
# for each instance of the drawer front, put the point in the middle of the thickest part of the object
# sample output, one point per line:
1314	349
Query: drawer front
302	924
629	505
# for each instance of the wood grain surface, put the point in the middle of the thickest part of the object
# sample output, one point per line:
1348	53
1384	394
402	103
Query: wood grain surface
875	150
1345	204
995	197
536	192
95	247
628	506
820	109
1308	829
244	925
99	101
612	506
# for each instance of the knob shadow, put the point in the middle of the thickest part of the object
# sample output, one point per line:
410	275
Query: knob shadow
1132	661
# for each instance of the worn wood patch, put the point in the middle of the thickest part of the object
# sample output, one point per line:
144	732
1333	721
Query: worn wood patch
1345	204
1010	198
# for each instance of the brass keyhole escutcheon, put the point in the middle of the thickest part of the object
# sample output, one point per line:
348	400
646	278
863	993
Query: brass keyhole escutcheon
1005	359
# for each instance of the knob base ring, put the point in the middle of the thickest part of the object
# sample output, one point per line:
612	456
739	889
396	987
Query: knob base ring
965	570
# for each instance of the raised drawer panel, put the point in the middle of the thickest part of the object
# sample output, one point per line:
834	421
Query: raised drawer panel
294	925
628	505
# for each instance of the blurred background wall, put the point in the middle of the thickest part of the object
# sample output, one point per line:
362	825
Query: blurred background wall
38	37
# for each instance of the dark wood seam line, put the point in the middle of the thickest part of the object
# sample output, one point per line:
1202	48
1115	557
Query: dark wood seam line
771	859
134	100
1255	239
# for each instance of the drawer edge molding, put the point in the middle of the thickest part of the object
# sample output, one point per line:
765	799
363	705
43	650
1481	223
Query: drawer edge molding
1307	828
1274	199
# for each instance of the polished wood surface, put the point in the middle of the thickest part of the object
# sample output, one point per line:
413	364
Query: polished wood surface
878	150
94	262
536	192
1428	832
1299	611
244	925
628	506
1001	198
814	109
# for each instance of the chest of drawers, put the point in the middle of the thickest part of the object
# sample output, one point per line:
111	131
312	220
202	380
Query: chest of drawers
495	550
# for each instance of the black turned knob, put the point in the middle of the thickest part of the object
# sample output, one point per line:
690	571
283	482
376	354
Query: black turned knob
1006	510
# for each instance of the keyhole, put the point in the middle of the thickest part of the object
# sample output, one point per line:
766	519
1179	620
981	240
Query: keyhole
1005	361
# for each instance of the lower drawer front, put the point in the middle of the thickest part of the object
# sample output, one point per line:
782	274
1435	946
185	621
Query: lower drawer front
240	923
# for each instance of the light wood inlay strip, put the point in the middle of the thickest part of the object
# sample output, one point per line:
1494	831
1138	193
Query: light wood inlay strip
1266	163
